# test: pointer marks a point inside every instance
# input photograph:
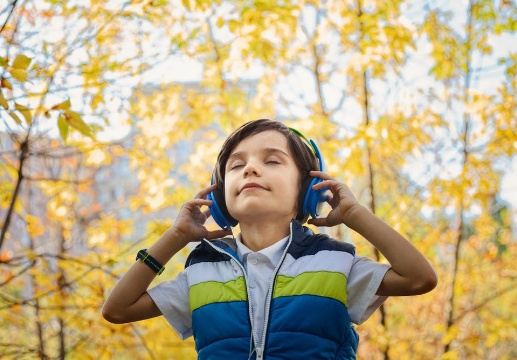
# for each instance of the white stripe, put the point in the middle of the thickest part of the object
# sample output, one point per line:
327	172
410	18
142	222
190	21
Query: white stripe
325	260
221	271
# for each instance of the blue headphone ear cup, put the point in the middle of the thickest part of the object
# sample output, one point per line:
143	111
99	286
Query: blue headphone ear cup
219	211
314	199
303	213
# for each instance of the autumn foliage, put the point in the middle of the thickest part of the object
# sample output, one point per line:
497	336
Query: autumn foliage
112	114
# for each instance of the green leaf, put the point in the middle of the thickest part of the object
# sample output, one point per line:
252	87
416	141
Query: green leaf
25	112
21	62
62	124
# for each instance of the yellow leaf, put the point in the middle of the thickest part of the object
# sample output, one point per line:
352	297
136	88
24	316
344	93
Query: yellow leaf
97	157
34	225
25	112
450	355
6	84
31	256
65	105
75	121
452	333
19	74
21	62
16	118
3	102
62	124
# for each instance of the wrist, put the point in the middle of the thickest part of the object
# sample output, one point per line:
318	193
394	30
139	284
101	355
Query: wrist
351	215
177	237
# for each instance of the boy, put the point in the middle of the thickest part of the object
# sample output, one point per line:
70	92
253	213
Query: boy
277	291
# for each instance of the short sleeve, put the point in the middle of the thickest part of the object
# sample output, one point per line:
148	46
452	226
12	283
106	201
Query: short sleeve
363	281
171	297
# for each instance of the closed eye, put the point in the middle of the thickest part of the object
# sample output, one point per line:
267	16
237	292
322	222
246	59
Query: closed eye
236	166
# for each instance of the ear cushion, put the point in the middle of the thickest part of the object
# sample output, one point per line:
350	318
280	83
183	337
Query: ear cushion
303	214
310	201
314	199
219	211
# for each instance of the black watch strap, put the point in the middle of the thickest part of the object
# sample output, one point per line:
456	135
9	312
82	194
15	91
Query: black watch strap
150	261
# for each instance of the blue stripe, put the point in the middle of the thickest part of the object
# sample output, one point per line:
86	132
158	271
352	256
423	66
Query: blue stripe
205	253
313	244
324	320
226	349
217	322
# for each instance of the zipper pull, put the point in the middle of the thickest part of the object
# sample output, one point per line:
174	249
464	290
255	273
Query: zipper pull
260	353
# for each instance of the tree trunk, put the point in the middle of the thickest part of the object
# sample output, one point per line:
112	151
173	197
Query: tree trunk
365	105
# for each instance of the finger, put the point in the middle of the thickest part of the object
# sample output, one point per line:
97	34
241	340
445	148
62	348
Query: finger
332	185
198	203
329	184
203	193
217	234
318	222
320	174
207	213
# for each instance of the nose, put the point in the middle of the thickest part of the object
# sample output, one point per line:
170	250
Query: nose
251	169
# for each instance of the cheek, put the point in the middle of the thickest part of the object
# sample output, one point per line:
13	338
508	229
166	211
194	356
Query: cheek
294	190
228	186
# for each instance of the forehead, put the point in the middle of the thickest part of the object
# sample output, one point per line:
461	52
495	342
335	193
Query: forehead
263	140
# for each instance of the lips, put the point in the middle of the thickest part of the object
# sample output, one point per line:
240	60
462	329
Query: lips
252	186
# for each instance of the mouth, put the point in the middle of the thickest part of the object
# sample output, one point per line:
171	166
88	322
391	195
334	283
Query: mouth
252	186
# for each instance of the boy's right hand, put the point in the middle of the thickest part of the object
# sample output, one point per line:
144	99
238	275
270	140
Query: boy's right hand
189	224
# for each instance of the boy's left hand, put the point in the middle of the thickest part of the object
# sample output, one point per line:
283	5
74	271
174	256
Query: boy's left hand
342	200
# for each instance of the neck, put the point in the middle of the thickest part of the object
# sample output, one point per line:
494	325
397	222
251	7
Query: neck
258	236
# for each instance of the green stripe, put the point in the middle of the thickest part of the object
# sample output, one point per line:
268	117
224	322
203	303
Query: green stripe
320	283
214	291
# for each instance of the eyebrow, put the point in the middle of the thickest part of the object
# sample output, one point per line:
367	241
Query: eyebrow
265	150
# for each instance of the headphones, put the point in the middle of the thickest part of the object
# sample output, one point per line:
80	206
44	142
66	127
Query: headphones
310	201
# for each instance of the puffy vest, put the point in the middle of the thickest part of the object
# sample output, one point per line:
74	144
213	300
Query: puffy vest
306	313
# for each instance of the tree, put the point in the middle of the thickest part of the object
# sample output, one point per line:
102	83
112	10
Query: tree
401	98
478	122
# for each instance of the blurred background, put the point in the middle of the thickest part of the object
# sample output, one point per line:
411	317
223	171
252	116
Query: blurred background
112	114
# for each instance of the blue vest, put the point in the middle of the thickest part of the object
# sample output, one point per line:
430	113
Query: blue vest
306	311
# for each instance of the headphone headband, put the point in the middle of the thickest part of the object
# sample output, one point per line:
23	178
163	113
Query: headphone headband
311	144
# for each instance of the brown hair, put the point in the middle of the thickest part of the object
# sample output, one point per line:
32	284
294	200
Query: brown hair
304	157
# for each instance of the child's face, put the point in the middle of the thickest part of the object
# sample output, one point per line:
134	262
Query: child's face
262	180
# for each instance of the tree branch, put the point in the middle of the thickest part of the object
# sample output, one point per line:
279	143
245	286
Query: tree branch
24	147
13	5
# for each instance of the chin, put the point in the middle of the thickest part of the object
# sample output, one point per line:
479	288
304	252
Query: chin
255	214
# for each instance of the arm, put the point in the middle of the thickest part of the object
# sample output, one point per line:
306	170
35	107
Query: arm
410	273
129	301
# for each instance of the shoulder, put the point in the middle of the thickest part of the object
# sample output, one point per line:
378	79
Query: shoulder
206	252
305	242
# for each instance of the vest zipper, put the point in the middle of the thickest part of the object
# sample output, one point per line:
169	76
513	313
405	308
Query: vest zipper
270	295
250	313
260	353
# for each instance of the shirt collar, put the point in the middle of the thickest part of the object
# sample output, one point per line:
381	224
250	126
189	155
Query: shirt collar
273	252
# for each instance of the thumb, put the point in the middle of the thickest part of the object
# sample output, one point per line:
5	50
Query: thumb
216	234
318	221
